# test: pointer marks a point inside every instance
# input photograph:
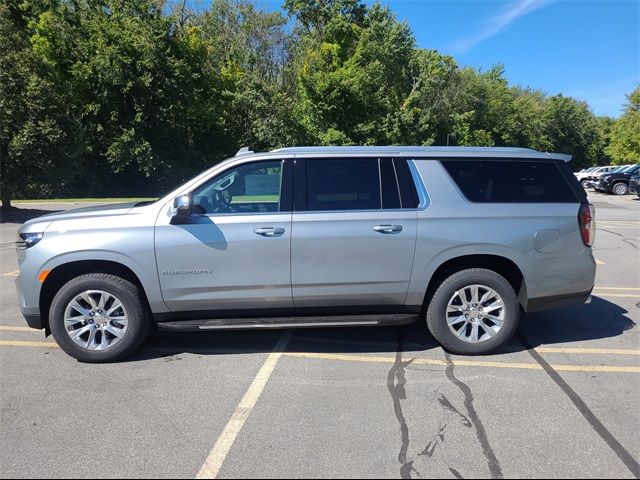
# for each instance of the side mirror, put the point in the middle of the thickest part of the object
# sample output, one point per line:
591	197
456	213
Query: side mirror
183	207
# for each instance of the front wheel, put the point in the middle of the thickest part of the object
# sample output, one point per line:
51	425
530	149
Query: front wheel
473	312
99	318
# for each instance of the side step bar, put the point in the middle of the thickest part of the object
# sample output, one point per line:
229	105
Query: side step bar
288	322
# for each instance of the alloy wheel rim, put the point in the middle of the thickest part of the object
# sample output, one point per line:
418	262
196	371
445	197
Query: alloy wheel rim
619	188
95	320
475	313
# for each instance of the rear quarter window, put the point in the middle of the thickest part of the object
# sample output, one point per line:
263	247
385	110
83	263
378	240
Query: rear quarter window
510	181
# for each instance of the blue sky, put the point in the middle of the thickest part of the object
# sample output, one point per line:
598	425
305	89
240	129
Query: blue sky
588	49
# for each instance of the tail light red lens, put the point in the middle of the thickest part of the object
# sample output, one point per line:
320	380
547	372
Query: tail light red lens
587	222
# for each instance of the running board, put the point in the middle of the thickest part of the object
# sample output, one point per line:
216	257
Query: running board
289	322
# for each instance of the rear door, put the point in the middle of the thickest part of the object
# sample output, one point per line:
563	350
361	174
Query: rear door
353	232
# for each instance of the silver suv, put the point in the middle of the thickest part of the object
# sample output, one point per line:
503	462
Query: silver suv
461	238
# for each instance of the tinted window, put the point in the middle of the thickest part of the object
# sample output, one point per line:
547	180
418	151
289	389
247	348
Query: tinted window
343	184
248	188
408	193
390	192
510	181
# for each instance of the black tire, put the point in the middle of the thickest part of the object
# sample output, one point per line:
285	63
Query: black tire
621	191
436	311
131	298
583	184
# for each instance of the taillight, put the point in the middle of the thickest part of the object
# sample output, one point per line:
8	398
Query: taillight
587	222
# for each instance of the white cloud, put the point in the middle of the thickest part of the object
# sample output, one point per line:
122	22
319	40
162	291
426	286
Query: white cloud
507	15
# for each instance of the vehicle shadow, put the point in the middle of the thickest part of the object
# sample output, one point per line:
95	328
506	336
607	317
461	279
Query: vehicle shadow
598	320
21	215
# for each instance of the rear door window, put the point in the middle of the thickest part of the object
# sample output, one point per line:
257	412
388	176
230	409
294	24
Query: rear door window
510	181
343	184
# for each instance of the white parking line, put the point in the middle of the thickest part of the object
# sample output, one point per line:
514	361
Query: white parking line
220	450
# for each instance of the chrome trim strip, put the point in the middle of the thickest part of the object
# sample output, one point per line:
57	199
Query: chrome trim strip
371	323
423	196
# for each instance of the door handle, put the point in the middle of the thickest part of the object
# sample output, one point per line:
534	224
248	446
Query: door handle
388	228
269	231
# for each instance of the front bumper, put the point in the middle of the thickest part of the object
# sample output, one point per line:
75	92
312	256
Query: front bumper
34	321
31	314
602	185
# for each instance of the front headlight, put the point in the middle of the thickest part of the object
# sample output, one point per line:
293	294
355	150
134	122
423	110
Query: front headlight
607	178
28	240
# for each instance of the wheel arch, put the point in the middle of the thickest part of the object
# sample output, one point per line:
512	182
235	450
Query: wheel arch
65	272
497	263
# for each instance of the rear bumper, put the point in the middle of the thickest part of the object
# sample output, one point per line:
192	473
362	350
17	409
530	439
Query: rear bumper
557	301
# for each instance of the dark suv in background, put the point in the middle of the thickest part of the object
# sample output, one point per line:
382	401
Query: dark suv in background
617	182
634	183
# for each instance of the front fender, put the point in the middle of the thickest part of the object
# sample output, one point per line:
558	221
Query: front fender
134	251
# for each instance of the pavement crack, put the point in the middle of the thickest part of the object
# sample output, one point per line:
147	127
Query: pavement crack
614	444
494	465
609	231
444	401
431	447
398	392
627	240
455	473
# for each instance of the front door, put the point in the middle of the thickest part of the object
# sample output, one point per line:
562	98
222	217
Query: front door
234	252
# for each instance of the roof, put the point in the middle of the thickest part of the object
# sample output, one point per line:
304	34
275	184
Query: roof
409	151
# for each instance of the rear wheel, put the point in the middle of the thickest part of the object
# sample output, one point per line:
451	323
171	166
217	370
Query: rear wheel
620	188
473	312
99	318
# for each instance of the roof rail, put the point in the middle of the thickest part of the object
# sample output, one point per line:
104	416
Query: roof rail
244	151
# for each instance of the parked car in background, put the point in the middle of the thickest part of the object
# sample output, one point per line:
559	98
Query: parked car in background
617	182
595	175
595	184
634	184
461	239
583	175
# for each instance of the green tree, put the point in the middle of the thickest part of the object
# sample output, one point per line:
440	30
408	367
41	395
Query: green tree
625	133
428	112
110	97
251	50
571	128
40	138
352	84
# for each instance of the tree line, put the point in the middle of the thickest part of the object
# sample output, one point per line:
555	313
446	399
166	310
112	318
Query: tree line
131	97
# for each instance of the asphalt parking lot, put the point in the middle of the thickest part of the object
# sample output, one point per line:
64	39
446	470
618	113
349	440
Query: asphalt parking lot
560	401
